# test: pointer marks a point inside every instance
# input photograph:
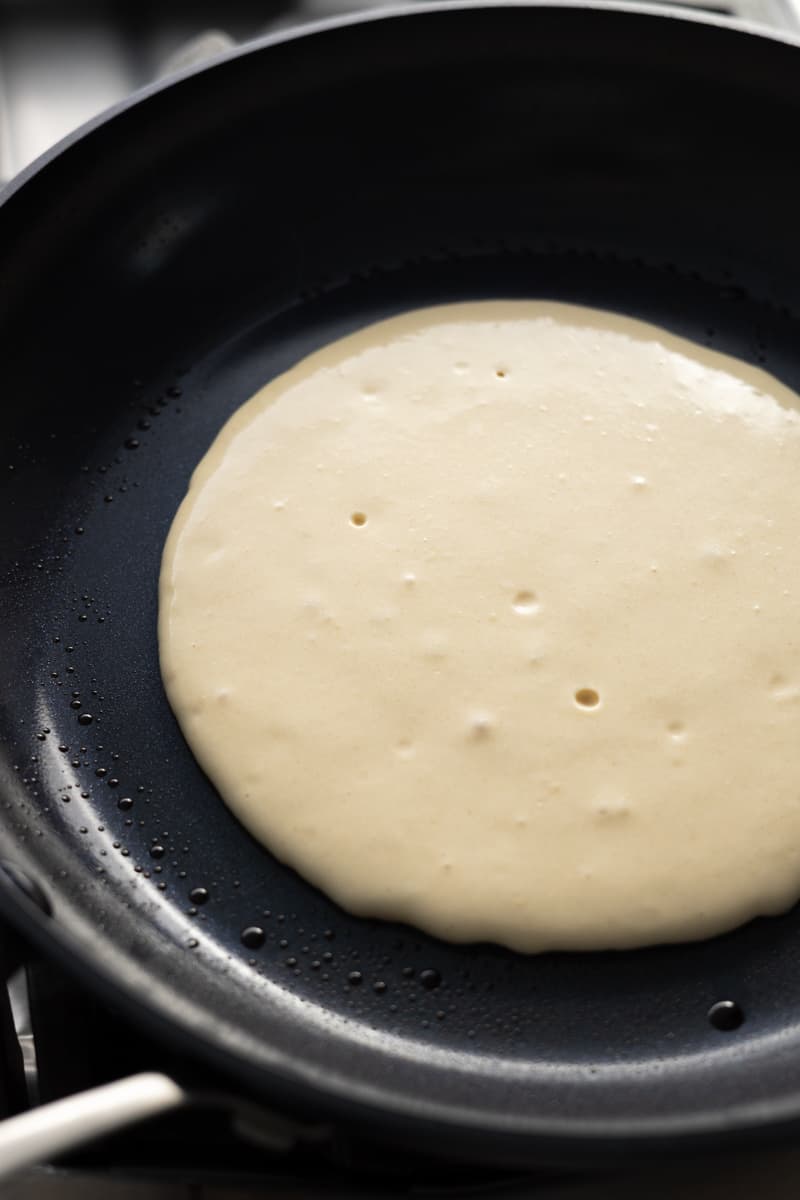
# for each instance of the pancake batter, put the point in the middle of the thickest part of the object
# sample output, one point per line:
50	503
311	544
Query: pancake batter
487	618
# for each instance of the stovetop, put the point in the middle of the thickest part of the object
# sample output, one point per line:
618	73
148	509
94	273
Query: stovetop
60	64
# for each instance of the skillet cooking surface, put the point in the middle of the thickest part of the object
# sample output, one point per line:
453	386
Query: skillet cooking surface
159	272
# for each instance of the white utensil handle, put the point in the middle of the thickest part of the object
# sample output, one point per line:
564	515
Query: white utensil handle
43	1133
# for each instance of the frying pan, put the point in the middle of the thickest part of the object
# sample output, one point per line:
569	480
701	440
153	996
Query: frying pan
157	269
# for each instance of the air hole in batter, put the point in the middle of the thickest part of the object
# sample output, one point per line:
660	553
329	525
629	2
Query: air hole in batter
358	518
524	603
587	698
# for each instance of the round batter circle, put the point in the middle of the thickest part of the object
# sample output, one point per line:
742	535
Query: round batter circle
487	618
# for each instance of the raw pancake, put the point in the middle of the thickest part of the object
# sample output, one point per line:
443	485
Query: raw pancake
487	618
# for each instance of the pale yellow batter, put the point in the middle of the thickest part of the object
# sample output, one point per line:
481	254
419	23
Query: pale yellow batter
488	618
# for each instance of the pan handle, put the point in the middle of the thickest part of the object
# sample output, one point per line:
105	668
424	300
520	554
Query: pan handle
43	1133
